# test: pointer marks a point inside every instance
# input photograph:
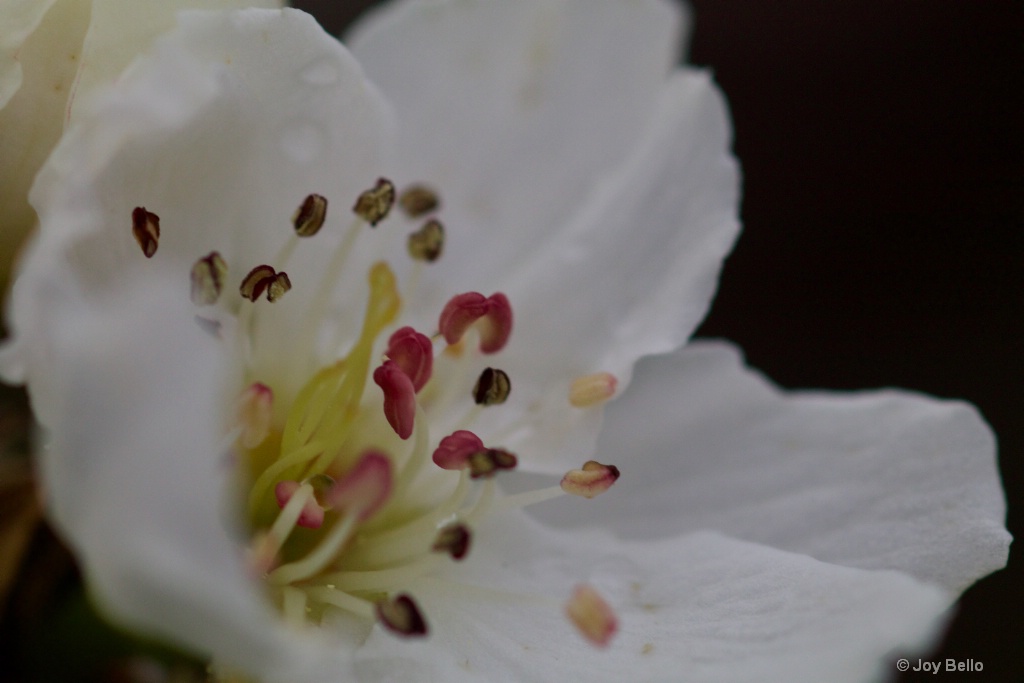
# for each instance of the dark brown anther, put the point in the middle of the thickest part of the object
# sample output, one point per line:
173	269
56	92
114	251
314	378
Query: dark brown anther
146	229
374	204
309	217
427	243
265	278
418	200
492	388
487	462
402	616
453	539
208	275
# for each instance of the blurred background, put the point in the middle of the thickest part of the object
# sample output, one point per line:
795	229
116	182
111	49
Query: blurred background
882	146
883	154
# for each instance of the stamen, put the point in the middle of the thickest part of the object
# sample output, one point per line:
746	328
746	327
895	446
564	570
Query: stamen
590	481
146	229
399	397
255	414
454	451
453	539
365	488
208	275
310	216
402	616
494	314
487	462
312	515
374	204
427	243
592	616
590	390
413	353
417	200
492	388
265	278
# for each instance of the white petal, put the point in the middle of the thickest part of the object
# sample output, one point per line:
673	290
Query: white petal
881	479
514	110
222	132
120	30
20	19
144	502
632	274
697	608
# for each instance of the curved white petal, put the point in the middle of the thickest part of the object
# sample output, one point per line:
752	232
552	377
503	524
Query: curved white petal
145	502
633	273
120	30
700	608
20	19
881	479
222	132
513	110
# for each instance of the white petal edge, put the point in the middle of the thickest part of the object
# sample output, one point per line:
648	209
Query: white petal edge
700	608
147	504
514	109
205	132
120	30
632	274
882	479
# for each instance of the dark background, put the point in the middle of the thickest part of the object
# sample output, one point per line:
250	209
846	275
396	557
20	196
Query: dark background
881	144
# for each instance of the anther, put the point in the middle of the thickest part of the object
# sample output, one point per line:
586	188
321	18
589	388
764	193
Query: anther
401	615
208	275
418	200
590	481
590	390
365	488
427	243
453	539
487	462
255	414
312	515
492	387
265	278
592	616
494	314
413	353
374	204
146	229
454	451
399	397
310	216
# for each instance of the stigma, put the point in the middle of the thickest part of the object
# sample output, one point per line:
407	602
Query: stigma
357	481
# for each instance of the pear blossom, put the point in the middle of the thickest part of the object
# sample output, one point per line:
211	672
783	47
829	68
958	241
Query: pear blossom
53	55
233	481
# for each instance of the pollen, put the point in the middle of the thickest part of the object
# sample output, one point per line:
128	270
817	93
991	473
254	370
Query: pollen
427	243
310	216
592	390
492	387
265	279
146	230
592	616
374	204
208	276
418	200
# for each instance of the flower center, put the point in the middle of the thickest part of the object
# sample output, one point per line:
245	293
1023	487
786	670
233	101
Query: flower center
350	494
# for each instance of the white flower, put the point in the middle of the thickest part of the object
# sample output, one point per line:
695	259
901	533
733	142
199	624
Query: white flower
53	56
585	177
